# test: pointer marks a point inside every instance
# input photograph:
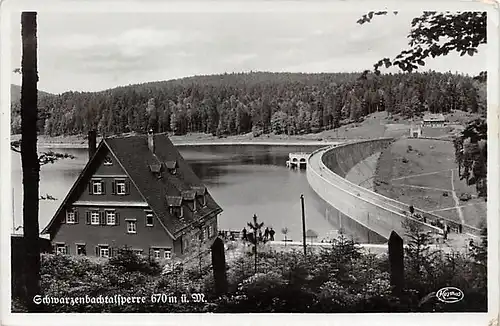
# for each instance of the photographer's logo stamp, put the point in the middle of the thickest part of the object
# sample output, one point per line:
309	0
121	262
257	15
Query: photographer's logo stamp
449	295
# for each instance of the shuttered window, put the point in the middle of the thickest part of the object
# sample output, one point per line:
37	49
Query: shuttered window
120	187
104	251
72	216
94	218
97	187
110	217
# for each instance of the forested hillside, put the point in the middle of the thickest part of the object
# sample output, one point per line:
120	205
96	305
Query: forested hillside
289	103
15	93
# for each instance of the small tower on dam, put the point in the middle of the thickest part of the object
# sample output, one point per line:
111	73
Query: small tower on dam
297	160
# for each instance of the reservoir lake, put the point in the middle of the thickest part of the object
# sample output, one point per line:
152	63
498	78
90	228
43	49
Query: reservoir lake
244	180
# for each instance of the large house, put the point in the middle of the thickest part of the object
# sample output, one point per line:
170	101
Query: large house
433	120
137	192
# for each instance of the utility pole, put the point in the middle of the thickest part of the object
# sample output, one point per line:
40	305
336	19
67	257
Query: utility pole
303	224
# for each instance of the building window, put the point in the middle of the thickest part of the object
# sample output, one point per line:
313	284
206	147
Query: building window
149	219
94	218
156	253
97	187
110	218
168	253
131	227
108	160
80	249
120	188
104	251
71	216
61	248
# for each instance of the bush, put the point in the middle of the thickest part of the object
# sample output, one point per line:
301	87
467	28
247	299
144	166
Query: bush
340	278
257	132
129	261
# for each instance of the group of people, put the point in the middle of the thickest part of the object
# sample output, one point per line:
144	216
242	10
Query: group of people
445	228
268	235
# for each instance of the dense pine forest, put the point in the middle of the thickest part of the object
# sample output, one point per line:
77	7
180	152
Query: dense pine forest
258	102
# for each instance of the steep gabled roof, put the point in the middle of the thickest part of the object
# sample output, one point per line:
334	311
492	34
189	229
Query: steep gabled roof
48	227
141	165
135	157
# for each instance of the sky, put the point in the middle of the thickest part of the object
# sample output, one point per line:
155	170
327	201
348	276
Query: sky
96	51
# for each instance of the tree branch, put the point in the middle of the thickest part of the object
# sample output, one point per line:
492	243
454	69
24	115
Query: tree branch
436	34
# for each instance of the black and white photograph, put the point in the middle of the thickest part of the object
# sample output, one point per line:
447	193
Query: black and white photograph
266	158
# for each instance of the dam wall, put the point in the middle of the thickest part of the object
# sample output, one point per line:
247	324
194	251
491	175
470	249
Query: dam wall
327	168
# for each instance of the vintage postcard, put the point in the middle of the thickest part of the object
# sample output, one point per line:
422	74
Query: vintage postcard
249	162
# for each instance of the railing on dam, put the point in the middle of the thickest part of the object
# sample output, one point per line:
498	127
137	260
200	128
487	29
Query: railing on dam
370	209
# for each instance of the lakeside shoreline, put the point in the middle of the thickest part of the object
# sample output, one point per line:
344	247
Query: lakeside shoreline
78	141
205	143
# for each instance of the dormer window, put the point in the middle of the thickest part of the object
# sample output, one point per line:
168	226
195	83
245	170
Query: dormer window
171	167
202	200
201	195
174	204
189	196
177	211
156	170
108	160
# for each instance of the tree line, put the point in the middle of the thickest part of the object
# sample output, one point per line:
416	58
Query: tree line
230	104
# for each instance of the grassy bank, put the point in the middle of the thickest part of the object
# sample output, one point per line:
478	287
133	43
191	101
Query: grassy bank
423	173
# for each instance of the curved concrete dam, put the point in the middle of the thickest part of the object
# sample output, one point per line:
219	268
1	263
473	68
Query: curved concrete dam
326	172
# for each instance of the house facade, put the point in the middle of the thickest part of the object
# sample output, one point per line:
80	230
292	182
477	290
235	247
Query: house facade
433	120
135	192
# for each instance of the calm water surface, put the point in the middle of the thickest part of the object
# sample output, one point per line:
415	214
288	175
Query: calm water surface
243	179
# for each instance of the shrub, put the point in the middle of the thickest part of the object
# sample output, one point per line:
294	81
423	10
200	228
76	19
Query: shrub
129	261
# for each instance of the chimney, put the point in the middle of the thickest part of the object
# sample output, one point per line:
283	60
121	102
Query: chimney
92	142
151	141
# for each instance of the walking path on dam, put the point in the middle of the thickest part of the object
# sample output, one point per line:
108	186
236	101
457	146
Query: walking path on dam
372	210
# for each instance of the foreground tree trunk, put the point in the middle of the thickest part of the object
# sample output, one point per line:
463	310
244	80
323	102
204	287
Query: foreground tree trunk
29	157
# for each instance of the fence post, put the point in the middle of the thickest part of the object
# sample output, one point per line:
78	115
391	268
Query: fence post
219	266
396	255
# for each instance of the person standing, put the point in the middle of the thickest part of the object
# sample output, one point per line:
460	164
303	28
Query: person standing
271	234
266	233
244	234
